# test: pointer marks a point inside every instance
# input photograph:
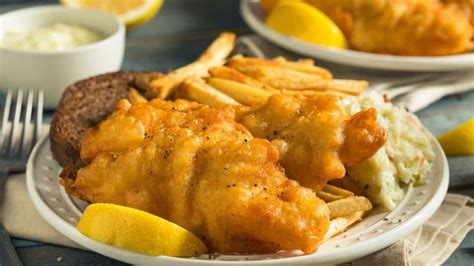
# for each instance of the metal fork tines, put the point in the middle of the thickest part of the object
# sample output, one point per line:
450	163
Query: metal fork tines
395	91
20	128
21	121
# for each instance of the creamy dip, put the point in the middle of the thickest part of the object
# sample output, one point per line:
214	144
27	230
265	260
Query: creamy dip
55	37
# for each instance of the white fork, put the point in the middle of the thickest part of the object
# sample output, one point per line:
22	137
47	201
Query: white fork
422	96
395	89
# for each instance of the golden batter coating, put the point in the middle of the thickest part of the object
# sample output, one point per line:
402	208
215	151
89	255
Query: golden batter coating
316	139
195	166
400	27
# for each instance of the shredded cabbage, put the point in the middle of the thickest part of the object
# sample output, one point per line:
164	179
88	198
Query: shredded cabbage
405	158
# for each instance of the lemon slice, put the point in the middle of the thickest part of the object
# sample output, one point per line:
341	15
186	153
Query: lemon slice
460	140
303	21
138	231
132	12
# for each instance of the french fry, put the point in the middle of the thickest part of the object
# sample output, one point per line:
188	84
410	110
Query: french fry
306	61
123	104
219	49
135	97
165	85
198	90
348	206
312	93
240	62
348	184
280	59
328	197
337	191
340	224
224	72
350	86
281	78
277	77
303	61
242	93
214	55
237	56
143	80
306	68
331	193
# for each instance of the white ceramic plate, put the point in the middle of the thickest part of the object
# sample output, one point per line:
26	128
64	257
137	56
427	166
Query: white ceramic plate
254	16
377	231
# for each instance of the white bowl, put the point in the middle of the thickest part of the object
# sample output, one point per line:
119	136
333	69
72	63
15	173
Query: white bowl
52	71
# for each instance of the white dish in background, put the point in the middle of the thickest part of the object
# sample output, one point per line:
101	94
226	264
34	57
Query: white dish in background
377	231
52	71
254	16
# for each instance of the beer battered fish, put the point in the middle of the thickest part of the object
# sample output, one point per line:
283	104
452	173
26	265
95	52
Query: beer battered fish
401	27
314	136
195	166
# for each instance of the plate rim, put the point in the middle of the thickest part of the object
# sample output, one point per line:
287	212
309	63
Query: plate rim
343	254
358	58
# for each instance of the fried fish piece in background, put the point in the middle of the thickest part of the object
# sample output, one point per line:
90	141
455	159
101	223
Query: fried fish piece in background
314	136
195	166
400	27
464	6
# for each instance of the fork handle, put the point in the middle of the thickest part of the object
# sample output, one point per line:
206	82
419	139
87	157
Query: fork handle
8	254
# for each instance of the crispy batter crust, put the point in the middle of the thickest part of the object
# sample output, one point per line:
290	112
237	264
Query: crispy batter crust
195	166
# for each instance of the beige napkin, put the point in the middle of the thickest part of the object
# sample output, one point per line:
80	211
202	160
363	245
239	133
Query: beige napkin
430	245
19	215
21	219
435	241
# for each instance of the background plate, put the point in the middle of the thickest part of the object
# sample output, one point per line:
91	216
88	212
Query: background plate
378	230
254	16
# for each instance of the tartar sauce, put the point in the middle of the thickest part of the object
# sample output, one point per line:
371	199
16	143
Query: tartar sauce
55	37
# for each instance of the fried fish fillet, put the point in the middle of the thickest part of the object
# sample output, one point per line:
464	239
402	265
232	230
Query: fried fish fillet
400	27
314	136
195	166
466	7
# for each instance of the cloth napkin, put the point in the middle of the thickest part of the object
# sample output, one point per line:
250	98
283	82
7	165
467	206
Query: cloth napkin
435	241
19	215
431	244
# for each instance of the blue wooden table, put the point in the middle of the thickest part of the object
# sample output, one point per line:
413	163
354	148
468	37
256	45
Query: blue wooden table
182	29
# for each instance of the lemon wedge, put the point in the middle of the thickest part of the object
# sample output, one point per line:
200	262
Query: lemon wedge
138	231
303	21
460	140
132	12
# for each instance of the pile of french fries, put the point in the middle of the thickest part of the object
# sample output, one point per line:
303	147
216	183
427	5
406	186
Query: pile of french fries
217	81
